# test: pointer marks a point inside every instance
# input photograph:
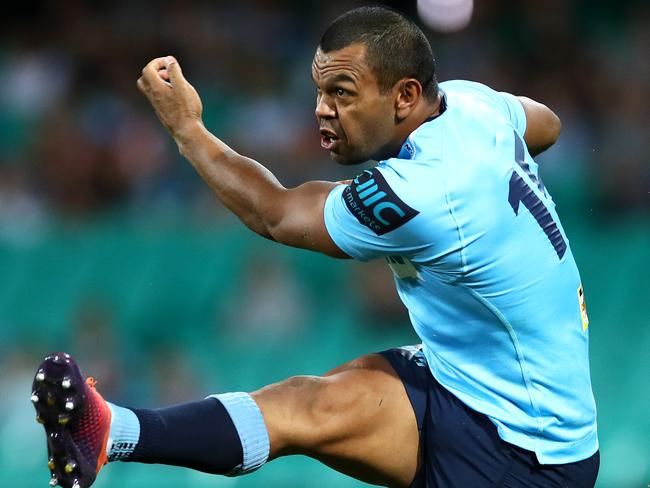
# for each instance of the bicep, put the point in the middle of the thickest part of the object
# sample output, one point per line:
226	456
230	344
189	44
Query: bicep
542	126
300	219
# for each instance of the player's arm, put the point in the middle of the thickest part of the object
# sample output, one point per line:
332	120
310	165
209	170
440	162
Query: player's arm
289	216
542	126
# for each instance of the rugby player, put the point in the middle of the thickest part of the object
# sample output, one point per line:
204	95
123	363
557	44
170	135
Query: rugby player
497	394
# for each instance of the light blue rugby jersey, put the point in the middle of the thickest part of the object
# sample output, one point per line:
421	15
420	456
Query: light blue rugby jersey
484	267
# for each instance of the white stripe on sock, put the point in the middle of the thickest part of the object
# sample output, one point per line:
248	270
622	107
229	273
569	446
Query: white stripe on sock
124	433
248	420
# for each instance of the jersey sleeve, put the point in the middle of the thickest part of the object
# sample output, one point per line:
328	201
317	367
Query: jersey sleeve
515	111
345	230
369	218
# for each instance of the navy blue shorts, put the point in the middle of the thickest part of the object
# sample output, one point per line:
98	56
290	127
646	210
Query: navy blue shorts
460	447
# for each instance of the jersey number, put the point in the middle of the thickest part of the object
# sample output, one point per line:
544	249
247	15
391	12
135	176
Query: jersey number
520	191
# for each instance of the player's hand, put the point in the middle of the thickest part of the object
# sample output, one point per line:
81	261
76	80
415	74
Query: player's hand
175	101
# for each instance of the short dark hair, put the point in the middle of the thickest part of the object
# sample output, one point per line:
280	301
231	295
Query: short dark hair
395	46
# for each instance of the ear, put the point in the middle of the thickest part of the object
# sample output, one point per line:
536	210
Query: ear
408	93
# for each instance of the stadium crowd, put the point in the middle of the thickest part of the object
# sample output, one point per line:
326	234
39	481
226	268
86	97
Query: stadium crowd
77	138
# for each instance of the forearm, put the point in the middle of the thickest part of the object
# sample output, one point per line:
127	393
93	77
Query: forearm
243	185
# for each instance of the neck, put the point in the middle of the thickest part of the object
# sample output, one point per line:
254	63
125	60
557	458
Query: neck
423	112
419	116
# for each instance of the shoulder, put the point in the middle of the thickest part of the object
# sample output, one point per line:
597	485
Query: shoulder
464	87
417	183
470	96
478	108
404	188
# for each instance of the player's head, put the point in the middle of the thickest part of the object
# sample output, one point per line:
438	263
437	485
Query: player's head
373	68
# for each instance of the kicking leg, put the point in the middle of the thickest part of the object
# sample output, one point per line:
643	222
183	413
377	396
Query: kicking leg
356	419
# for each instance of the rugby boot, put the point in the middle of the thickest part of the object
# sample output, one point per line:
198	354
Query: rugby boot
76	419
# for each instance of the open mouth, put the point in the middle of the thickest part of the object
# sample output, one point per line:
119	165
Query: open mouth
328	142
328	139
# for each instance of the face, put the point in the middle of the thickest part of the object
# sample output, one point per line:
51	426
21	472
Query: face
357	121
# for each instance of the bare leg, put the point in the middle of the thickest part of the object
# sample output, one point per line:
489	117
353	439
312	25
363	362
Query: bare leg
356	419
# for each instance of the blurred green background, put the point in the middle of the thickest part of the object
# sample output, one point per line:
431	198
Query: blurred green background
112	249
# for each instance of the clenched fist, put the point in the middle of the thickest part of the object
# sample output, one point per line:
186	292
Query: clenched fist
175	101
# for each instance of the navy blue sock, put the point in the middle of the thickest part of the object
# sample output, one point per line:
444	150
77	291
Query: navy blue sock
198	435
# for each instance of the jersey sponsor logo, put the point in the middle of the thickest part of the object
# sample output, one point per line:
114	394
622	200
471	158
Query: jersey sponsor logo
375	205
409	149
